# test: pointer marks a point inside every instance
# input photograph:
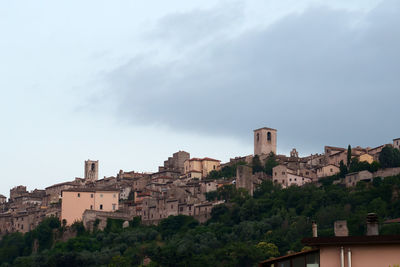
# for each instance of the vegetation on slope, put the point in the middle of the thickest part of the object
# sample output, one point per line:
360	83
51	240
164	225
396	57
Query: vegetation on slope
239	233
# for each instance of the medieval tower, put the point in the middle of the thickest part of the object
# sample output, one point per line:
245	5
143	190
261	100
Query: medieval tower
91	170
265	141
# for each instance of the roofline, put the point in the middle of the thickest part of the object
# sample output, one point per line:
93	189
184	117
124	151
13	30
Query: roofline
266	128
289	256
342	240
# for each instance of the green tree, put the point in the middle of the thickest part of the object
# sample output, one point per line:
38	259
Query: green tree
348	156
389	157
256	164
343	169
270	163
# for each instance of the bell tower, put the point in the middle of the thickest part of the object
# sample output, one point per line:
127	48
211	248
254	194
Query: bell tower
91	170
265	141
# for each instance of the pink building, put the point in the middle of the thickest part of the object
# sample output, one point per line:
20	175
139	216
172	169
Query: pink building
76	201
344	251
341	250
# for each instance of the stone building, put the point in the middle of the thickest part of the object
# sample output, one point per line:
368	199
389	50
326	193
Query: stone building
176	162
353	178
17	191
203	166
396	143
265	141
327	170
54	191
286	177
247	180
91	170
3	199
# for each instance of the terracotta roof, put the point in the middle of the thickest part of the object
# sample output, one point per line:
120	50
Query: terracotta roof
91	190
343	240
206	158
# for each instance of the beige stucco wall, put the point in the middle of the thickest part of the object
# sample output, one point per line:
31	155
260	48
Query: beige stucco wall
73	206
210	165
361	255
366	157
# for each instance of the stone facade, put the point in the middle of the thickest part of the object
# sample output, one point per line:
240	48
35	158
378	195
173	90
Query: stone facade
265	141
176	162
91	170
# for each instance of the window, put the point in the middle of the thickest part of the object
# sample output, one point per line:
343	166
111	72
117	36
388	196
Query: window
190	207
91	207
214	167
290	179
101	206
283	173
172	206
93	168
114	196
276	174
331	170
181	209
91	195
101	195
295	179
79	194
258	137
269	136
307	173
114	206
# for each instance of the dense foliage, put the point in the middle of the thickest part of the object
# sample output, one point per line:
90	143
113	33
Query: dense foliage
239	233
225	172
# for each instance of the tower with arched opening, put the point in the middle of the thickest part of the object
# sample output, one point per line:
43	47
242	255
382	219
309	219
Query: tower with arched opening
91	170
265	141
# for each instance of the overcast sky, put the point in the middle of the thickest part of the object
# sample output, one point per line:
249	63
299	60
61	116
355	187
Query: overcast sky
130	82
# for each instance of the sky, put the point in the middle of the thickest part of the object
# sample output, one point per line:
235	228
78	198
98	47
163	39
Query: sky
129	83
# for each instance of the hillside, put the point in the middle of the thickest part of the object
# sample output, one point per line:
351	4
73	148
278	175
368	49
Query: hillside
241	232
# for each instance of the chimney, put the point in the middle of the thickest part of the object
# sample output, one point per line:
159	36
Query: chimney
314	229
341	228
372	224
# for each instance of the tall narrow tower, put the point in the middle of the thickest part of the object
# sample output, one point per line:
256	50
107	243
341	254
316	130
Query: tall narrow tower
265	141
91	170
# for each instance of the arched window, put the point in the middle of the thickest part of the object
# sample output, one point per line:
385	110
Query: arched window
269	136
93	167
258	137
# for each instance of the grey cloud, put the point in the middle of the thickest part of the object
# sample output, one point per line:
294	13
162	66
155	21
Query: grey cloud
320	77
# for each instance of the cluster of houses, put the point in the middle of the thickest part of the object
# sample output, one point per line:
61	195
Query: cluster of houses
179	186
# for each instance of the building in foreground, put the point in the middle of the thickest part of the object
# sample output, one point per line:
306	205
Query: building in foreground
341	250
76	201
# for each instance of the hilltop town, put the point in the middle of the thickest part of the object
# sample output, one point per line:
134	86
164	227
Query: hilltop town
182	185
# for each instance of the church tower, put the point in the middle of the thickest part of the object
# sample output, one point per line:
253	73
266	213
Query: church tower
265	141
91	170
